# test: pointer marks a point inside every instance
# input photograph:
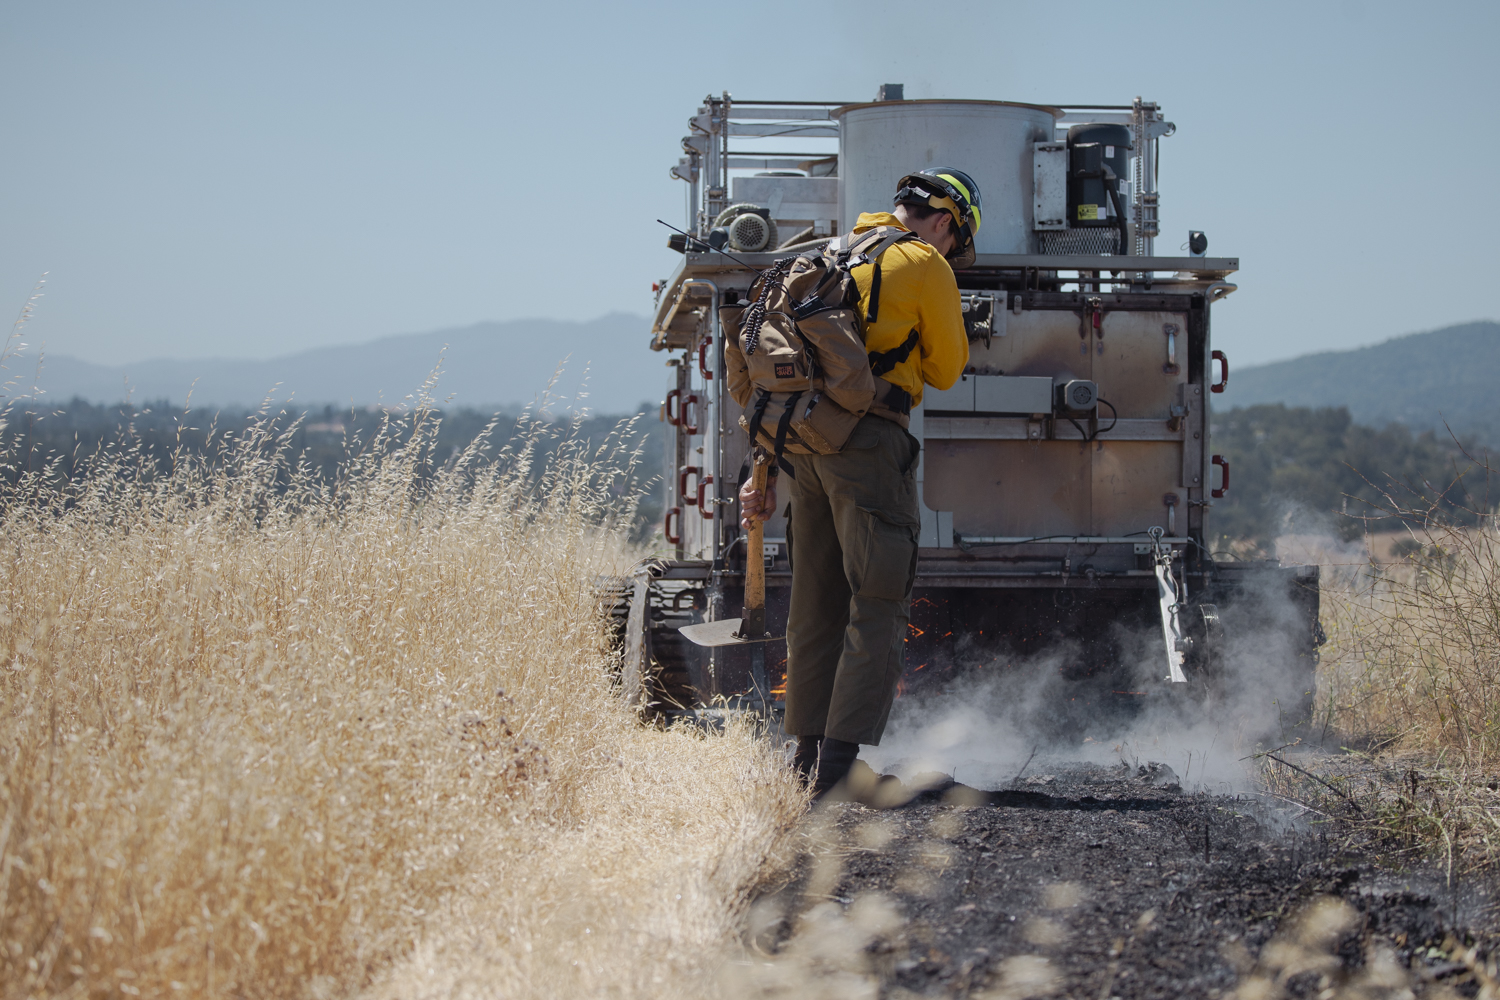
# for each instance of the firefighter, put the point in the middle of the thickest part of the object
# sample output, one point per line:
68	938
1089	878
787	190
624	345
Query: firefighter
853	521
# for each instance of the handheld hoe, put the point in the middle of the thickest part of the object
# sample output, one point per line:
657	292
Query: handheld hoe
752	627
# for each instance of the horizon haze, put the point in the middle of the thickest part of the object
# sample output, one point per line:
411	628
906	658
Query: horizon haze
603	365
1429	380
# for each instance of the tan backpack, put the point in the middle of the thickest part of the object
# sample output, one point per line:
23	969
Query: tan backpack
795	352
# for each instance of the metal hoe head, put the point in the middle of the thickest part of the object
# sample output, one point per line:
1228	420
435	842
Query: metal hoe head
726	632
752	627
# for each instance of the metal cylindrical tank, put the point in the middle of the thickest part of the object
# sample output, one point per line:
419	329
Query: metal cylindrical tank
990	140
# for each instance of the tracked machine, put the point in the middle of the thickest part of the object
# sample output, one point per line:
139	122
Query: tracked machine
1067	482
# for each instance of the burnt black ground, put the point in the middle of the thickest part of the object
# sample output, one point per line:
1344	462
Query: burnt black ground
1128	888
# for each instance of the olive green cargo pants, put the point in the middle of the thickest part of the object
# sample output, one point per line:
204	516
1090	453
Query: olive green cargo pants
853	530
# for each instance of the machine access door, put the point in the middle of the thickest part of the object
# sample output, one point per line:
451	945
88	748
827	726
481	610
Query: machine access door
1029	475
1137	462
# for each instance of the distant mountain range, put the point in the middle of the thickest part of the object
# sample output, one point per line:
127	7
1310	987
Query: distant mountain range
1420	380
487	365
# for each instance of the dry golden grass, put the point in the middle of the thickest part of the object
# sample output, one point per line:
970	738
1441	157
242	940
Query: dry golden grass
1411	674
1414	648
263	738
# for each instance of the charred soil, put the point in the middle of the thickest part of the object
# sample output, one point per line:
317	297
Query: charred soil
1095	881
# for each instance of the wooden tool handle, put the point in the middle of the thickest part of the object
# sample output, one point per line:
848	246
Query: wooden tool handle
755	557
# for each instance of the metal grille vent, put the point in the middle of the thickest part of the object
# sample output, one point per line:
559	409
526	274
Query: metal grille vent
749	232
1081	241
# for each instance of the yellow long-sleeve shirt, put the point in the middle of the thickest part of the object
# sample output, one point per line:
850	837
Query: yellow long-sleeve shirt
917	292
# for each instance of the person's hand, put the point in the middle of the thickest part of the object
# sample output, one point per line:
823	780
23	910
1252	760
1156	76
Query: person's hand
755	504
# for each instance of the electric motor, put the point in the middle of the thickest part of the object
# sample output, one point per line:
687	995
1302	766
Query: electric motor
748	228
1098	160
1078	396
750	233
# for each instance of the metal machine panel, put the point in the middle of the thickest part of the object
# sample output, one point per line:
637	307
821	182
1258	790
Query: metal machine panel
1133	365
993	394
1130	480
1037	343
990	140
1012	394
1049	173
791	198
960	397
988	428
1010	488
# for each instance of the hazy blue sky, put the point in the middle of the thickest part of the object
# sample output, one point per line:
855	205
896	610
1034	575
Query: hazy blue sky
248	179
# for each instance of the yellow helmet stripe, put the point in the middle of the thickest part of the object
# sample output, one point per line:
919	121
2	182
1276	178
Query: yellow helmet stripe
963	189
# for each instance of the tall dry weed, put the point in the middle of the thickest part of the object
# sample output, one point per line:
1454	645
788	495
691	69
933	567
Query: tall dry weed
1411	677
1414	646
266	737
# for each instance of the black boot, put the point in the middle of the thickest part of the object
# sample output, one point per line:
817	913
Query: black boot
835	758
806	757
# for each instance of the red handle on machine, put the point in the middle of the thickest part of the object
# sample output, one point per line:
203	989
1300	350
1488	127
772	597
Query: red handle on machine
682	489
666	526
1223	371
691	400
669	413
1222	462
706	509
703	360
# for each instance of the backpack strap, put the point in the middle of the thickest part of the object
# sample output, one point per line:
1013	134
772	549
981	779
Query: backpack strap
761	400
885	362
873	310
897	400
782	426
877	241
814	302
881	240
862	249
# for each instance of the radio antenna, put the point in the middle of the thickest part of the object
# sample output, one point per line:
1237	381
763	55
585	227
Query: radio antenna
712	249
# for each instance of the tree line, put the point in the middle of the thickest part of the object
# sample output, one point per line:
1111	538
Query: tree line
57	445
1299	470
1294	469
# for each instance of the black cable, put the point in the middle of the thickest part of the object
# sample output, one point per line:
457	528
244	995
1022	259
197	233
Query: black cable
1113	413
1090	438
1112	187
729	546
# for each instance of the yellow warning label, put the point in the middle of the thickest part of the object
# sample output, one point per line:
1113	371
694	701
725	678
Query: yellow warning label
1089	212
